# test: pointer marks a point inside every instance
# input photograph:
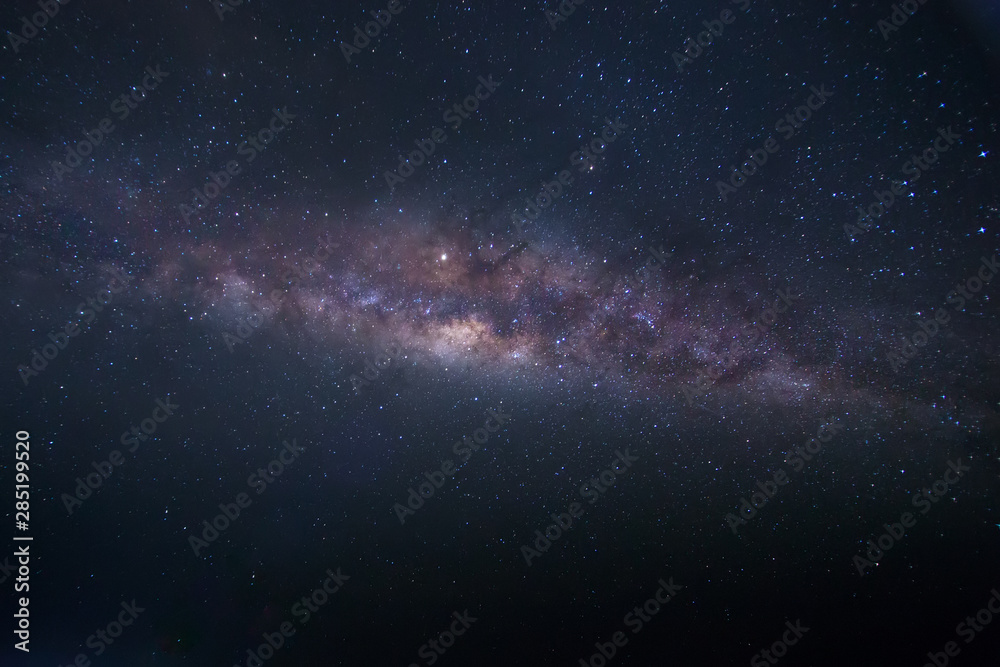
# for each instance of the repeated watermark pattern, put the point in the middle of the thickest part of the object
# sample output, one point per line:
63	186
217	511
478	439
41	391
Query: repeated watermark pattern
363	39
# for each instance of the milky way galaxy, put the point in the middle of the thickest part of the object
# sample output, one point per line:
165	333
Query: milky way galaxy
382	320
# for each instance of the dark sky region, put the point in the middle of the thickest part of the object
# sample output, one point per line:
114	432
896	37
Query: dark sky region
540	334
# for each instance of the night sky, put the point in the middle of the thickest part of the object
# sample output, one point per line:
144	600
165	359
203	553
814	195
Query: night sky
471	334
